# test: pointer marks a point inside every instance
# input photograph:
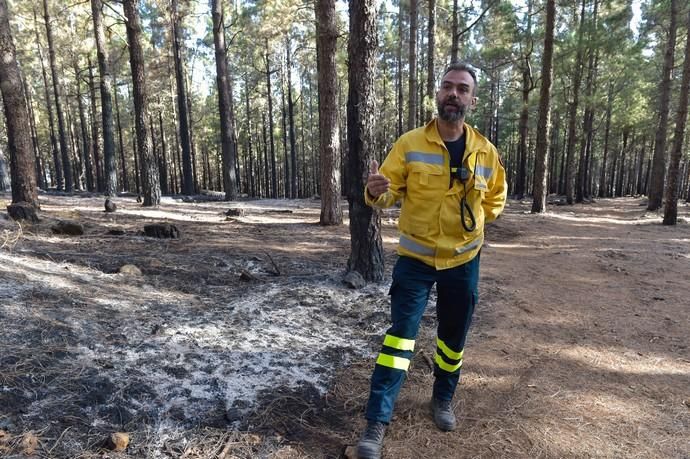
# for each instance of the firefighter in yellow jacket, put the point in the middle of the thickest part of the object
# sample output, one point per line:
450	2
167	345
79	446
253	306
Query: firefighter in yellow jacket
451	182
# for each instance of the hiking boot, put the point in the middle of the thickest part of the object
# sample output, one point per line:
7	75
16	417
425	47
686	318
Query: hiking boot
444	418
369	446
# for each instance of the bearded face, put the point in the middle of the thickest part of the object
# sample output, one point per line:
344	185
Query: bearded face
455	97
451	109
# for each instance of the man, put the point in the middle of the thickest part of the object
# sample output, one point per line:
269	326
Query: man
451	182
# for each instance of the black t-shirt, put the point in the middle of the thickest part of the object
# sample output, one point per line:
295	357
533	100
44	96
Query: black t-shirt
456	149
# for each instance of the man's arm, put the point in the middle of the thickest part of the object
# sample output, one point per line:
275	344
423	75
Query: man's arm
495	198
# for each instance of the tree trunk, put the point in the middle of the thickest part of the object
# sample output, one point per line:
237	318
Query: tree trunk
656	186
271	186
291	123
671	198
431	72
149	168
163	163
56	178
640	167
523	129
137	170
286	157
454	33
412	61
185	141
399	73
366	249
110	166
588	123
553	149
22	162
86	151
94	132
572	116
227	136
251	176
123	163
544	120
5	179
327	34
40	179
57	91
621	166
607	132
265	189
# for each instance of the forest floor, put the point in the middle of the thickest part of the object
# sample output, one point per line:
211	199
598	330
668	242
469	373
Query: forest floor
240	340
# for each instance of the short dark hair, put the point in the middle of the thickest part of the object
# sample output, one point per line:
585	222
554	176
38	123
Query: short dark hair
463	67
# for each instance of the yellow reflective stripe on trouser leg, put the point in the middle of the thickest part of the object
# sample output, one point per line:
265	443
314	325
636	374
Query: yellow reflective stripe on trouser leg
400	344
443	365
451	354
391	361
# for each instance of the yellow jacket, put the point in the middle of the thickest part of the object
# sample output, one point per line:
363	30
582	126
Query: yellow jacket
419	171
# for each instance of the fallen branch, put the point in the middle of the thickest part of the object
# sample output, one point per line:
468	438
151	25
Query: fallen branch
276	271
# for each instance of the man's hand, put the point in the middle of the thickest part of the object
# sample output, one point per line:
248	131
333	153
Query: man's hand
377	184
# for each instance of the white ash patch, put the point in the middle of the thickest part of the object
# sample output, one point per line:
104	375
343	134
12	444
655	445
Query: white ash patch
127	352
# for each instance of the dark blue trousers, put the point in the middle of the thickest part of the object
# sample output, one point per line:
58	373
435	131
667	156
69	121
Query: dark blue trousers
457	296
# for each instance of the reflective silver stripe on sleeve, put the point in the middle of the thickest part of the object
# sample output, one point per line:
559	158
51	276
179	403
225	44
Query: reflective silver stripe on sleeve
408	244
427	158
473	245
484	171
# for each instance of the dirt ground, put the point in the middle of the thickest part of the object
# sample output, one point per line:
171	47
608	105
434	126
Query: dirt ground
240	340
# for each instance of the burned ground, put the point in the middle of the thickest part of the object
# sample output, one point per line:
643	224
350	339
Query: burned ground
239	338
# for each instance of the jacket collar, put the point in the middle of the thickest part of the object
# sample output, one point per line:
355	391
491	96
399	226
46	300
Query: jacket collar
432	135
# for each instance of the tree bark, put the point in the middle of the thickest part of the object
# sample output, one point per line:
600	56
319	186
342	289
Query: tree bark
607	132
621	165
544	120
286	156
149	168
57	92
366	249
123	163
672	186
40	172
455	37
399	72
185	141
56	178
86	150
271	186
412	77
227	136
656	185
291	124
581	189
110	166
5	179
327	34
572	115
22	162
431	72
251	182
96	144
163	163
266	188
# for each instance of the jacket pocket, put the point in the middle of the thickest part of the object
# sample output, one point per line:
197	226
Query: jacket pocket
425	174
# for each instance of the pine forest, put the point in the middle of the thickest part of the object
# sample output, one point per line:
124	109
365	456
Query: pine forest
189	266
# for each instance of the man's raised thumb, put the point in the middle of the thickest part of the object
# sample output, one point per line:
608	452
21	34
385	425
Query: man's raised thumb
374	167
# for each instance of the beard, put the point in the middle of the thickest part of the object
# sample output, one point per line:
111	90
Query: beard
451	110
